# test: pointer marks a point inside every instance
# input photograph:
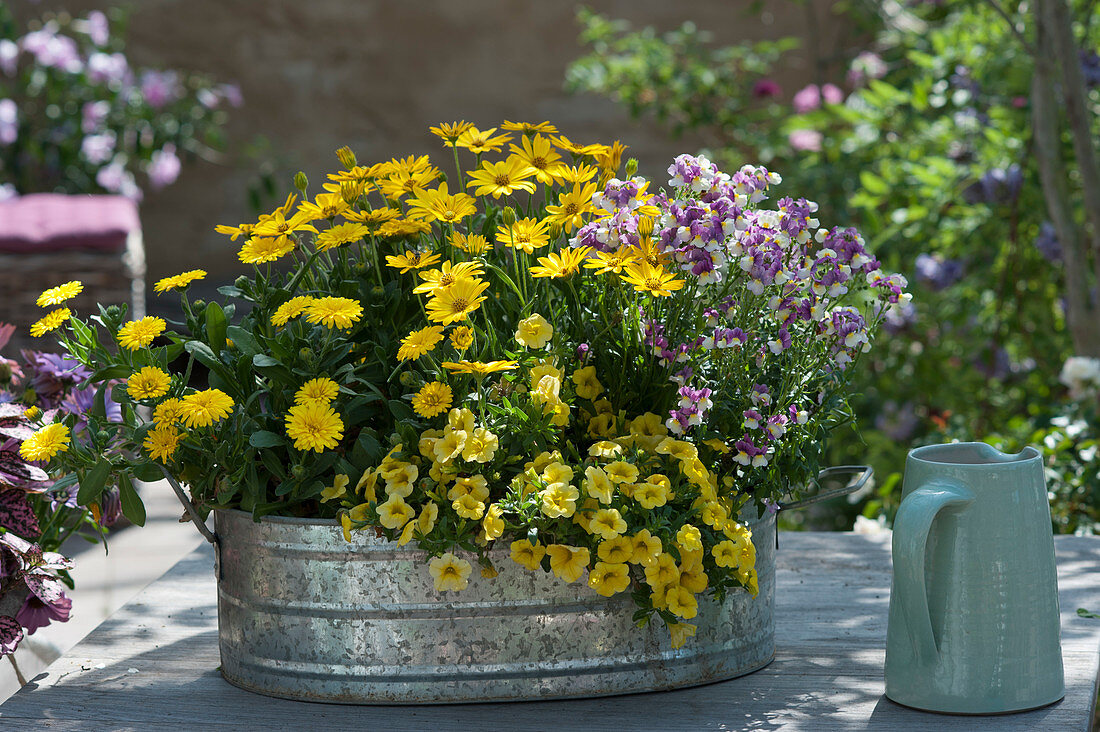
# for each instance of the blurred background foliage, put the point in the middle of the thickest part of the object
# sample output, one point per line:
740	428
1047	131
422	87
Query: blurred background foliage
919	132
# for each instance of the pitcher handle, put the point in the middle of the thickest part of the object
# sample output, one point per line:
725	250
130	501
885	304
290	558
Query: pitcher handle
911	528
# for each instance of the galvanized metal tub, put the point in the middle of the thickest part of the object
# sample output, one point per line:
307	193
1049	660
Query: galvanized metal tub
302	614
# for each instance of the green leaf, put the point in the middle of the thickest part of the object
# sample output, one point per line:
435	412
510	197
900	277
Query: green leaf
132	507
118	371
244	340
147	472
261	360
401	411
1082	612
203	355
91	488
263	438
215	326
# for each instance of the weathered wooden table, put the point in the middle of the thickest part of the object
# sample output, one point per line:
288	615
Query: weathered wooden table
153	665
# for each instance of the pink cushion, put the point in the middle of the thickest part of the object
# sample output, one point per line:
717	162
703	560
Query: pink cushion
50	222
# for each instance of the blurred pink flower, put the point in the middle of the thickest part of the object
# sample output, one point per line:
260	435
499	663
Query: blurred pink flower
807	99
9	121
808	140
832	94
164	167
766	88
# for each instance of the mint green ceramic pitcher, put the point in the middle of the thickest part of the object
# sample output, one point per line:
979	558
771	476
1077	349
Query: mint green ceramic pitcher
974	625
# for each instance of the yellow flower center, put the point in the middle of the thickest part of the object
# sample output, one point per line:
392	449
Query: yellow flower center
502	180
449	215
447	280
539	163
460	303
571	209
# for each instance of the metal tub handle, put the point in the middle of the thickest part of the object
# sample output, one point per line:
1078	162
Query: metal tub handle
863	473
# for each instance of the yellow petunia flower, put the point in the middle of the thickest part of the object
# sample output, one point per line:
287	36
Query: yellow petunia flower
148	383
45	443
140	333
457	301
322	390
617	550
607	523
526	554
161	442
540	157
340	235
338	489
597	484
587	385
477	141
50	322
437	280
412	260
59	294
204	408
433	399
559	500
534	331
679	633
647	548
526	234
394	513
681	602
334	312
562	264
449	572
419	342
502	178
441	205
621	472
568	562
609	579
462	337
688	539
179	282
481	445
290	309
468	507
653	280
449	132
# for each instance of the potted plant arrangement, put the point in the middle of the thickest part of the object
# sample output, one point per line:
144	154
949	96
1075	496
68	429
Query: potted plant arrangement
517	430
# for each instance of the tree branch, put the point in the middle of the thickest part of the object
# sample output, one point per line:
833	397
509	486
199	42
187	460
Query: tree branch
996	6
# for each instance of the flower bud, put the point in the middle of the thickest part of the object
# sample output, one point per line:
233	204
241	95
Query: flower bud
407	379
508	216
347	157
199	305
350	192
555	231
301	182
442	178
305	354
645	226
631	167
297	471
5	371
241	283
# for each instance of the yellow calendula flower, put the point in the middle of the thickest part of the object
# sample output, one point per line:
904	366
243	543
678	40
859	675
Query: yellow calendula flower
457	301
462	337
526	234
529	128
449	132
562	264
607	523
559	500
477	141
587	385
262	249
161	442
568	562
502	178
419	342
471	243
204	408
438	280
140	333
539	155
321	389
481	445
526	554
50	322
432	399
441	205
449	572
534	331
169	411
609	579
59	294
338	489
314	426
340	235
179	282
412	260
290	309
334	312
653	280
149	383
32	413
45	443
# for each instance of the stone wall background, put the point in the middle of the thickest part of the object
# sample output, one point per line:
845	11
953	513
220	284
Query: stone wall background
374	74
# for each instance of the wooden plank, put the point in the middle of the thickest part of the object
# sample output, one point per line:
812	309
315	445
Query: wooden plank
154	665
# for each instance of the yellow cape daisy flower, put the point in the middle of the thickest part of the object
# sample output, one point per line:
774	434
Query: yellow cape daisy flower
526	234
59	294
412	260
260	249
562	264
477	141
441	205
572	206
654	280
449	132
436	280
502	178
340	235
457	301
462	337
539	155
479	367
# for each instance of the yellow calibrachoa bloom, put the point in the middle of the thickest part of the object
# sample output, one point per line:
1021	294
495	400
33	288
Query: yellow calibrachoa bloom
51	321
140	333
149	383
45	443
607	523
559	499
338	489
597	484
419	342
681	602
179	282
526	554
434	398
334	312
314	426
321	389
647	548
568	562
534	331
616	550
468	507
587	385
680	632
689	539
609	578
492	526
161	442
204	408
449	572
394	512
60	294
481	445
621	472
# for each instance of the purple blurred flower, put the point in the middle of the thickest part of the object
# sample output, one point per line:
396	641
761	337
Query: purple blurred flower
832	94
112	507
809	140
231	93
97	28
898	423
116	179
9	55
766	88
106	68
52	375
164	167
9	121
98	149
807	99
93	115
867	65
36	614
159	87
997	186
1090	68
52	50
899	317
937	271
1047	242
